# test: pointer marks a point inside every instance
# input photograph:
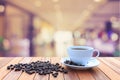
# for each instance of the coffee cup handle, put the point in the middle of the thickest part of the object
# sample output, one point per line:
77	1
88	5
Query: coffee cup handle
98	53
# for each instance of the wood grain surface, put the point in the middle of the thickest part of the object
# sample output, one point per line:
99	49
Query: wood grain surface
108	69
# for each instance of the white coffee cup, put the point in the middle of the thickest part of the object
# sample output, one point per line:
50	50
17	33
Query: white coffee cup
81	54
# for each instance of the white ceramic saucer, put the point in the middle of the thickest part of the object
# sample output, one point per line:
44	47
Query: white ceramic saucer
92	63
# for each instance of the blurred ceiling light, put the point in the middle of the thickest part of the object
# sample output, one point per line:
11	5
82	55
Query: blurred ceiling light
2	8
37	3
114	37
55	0
97	0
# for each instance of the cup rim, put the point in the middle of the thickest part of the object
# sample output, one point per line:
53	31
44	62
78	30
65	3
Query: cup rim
86	47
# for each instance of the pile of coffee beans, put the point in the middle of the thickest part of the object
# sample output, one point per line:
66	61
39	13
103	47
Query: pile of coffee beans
72	63
40	67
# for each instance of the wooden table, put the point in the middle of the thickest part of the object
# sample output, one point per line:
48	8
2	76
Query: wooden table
109	69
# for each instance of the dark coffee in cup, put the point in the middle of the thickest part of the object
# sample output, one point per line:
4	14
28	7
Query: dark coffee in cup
79	48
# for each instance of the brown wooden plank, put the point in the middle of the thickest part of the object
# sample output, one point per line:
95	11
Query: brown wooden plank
14	75
118	58
83	73
4	61
26	76
4	71
42	77
114	61
71	75
113	66
60	76
98	74
1	58
108	71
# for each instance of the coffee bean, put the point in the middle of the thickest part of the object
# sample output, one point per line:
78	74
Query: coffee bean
62	68
8	68
12	67
23	70
31	72
65	71
57	64
55	74
17	69
40	67
72	63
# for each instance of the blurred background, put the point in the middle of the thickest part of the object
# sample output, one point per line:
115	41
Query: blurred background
49	27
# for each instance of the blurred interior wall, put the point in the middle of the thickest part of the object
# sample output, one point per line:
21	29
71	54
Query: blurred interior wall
1	25
16	30
17	22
